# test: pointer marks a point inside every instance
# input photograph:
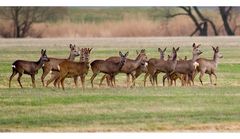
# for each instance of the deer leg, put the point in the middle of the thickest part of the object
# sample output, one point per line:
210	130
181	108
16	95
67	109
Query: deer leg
33	81
192	78
44	74
62	83
83	81
155	78
19	79
14	72
92	78
76	81
54	77
133	80
145	77
200	77
164	78
108	80
210	77
128	79
103	77
215	78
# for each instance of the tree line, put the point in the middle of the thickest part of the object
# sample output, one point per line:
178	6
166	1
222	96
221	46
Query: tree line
22	19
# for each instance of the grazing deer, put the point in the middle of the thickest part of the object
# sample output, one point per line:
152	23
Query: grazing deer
28	67
129	67
186	67
69	69
209	66
52	64
108	67
151	63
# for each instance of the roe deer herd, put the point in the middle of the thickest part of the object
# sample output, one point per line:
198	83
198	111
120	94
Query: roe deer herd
183	69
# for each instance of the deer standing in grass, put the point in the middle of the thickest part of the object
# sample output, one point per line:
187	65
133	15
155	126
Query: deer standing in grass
174	76
151	63
160	65
108	67
73	69
209	66
84	54
186	67
129	67
52	64
28	67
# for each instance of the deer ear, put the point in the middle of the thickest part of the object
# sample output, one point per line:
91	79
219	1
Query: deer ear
159	50
214	49
217	48
177	48
165	49
120	53
90	49
198	45
126	54
143	51
42	51
193	45
70	46
137	52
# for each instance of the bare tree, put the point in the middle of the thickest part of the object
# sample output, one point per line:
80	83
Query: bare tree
23	18
199	20
225	13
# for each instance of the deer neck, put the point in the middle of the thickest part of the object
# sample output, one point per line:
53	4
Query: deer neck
194	58
39	64
162	57
215	59
120	65
71	57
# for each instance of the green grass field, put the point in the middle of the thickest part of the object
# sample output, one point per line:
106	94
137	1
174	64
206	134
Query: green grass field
196	108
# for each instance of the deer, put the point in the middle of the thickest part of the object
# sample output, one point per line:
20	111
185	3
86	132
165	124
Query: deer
151	63
108	67
74	69
129	67
174	76
209	66
84	54
51	65
161	66
186	67
31	68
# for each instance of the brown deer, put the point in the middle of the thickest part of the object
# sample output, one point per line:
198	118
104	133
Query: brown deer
69	69
84	54
28	67
160	65
151	63
209	66
187	67
174	76
129	67
108	67
52	64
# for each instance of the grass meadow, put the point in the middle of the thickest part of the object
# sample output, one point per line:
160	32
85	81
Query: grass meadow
197	108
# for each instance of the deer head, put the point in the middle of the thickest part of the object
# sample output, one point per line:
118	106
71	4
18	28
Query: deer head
162	52
44	57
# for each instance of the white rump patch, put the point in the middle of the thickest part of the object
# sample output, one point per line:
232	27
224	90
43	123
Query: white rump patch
195	64
58	67
146	64
43	65
13	66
